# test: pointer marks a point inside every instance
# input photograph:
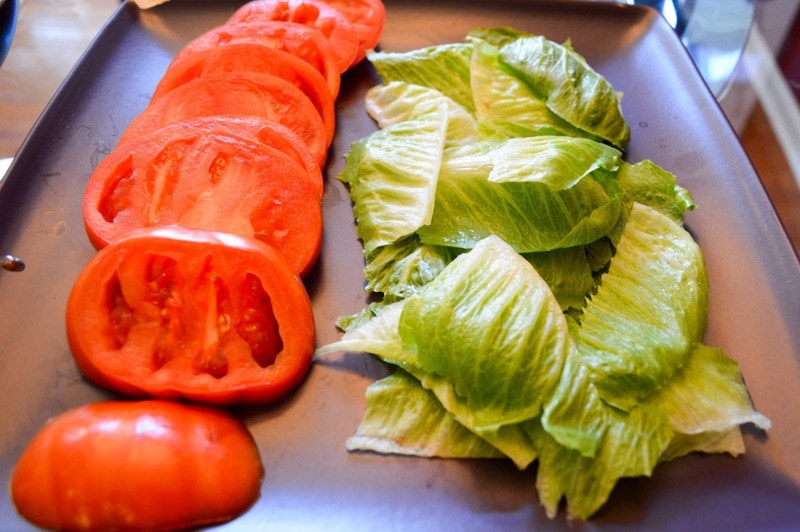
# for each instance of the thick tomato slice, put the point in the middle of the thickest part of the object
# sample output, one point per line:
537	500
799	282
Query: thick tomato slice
206	180
236	94
333	24
258	129
367	17
248	57
143	465
175	313
305	42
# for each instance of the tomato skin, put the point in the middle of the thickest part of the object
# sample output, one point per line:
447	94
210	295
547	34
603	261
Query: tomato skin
137	465
175	313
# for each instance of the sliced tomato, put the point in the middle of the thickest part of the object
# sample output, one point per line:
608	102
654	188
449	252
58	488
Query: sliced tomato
367	17
248	57
137	465
305	42
236	94
206	180
270	133
176	313
336	27
257	129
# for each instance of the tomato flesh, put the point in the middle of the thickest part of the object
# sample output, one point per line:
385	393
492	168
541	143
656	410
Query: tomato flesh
333	24
236	94
207	179
176	313
138	465
367	17
300	40
249	57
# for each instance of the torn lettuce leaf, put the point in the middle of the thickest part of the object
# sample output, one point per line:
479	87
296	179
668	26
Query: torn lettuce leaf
392	176
445	68
505	373
568	273
647	183
631	446
402	417
569	86
506	104
398	101
708	395
649	312
400	269
558	162
528	216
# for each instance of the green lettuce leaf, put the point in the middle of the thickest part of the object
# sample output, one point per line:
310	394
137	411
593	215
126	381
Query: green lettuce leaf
528	216
506	104
649	311
571	88
400	269
647	183
392	176
568	273
558	162
631	446
513	440
507	371
404	418
398	101
444	68
708	395
378	335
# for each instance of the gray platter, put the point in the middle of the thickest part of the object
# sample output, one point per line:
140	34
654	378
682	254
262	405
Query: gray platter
311	481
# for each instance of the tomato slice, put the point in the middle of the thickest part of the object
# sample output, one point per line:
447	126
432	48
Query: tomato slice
257	129
206	180
269	132
300	40
367	17
206	316
236	94
333	24
248	57
137	465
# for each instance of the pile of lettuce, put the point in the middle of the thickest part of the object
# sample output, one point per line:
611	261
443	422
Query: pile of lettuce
537	294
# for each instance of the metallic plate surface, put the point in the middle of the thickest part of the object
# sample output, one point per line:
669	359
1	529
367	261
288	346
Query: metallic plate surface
312	482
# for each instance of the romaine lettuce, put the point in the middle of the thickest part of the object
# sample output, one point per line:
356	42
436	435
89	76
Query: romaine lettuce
538	294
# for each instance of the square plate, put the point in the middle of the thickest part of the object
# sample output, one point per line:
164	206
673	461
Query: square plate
311	480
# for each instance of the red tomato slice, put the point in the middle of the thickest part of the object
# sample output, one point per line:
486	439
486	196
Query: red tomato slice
175	313
367	17
206	180
236	94
315	13
305	42
145	465
270	133
257	129
248	57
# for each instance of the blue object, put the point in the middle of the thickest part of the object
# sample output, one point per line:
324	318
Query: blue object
8	22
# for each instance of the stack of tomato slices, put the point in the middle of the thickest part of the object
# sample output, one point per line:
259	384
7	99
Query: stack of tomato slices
207	215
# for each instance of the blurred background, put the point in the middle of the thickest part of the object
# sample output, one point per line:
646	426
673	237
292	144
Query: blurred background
747	50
